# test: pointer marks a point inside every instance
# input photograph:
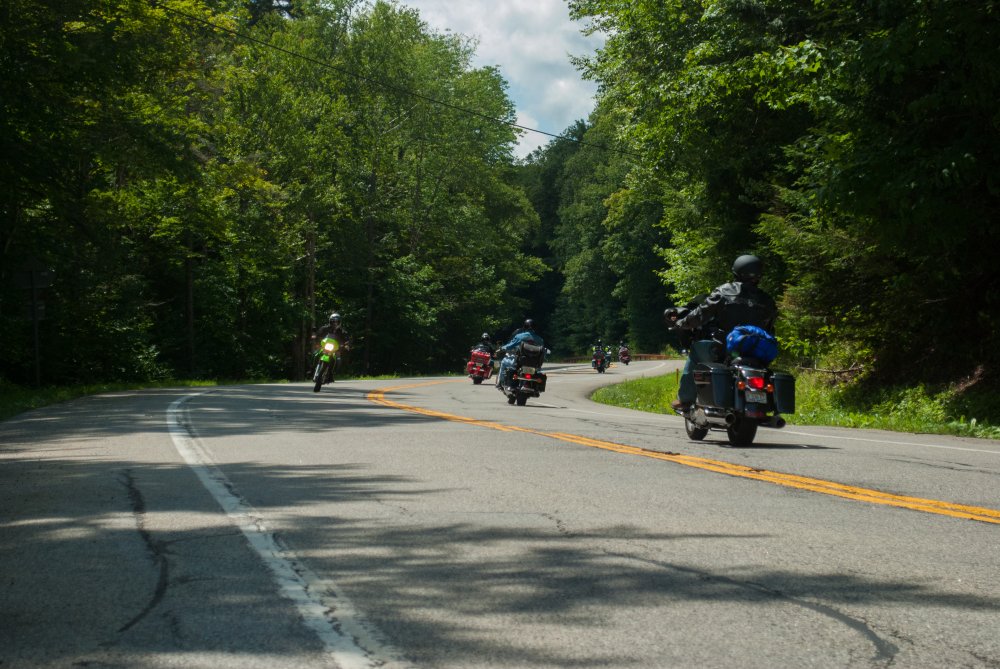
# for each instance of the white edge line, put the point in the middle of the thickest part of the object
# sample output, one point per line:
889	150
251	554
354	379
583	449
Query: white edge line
352	648
888	441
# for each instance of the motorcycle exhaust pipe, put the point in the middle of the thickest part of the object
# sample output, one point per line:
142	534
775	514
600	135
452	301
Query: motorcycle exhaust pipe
730	419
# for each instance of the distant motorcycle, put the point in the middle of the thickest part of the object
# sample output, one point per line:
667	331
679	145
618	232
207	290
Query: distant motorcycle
525	379
480	364
624	356
326	363
599	360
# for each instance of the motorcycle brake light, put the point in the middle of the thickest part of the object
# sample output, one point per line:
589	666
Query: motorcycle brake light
526	376
756	382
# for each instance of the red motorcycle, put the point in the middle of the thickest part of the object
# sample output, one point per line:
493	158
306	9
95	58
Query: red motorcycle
480	365
599	360
624	356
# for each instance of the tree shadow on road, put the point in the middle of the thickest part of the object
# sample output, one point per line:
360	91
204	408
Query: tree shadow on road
127	557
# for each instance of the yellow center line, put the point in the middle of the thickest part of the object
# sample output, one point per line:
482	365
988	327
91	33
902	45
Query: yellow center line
983	514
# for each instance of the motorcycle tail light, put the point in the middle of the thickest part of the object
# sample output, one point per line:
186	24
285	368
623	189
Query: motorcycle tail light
756	382
526	376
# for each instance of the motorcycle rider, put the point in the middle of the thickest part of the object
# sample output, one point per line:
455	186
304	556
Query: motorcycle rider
739	302
333	329
599	353
525	334
485	344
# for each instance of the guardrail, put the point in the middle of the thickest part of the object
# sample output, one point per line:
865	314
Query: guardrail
636	356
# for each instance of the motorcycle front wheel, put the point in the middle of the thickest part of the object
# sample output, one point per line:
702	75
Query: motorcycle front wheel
318	376
477	380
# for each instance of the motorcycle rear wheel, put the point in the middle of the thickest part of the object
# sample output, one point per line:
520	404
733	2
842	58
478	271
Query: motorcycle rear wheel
522	399
477	380
742	432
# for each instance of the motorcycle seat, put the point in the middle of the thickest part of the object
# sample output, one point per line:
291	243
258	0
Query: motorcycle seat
747	361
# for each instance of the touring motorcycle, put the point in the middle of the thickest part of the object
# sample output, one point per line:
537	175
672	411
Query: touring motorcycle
735	391
480	365
624	355
525	379
599	360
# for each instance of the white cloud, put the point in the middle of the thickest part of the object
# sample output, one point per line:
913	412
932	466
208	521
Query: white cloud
531	42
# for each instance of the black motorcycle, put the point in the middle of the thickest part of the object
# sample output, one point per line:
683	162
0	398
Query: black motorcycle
525	379
734	392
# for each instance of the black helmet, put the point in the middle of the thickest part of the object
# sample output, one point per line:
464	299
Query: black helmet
529	324
748	268
335	318
485	337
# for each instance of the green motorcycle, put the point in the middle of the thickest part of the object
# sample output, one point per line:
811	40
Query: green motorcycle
327	360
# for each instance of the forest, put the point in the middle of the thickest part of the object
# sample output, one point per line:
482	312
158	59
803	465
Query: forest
194	185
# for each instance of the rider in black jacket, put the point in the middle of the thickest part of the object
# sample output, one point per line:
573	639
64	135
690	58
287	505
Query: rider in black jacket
739	302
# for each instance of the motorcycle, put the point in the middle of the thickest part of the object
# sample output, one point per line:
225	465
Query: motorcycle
599	361
326	362
525	379
480	365
736	393
624	356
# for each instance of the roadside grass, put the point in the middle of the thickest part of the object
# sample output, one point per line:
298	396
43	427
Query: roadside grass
648	393
915	409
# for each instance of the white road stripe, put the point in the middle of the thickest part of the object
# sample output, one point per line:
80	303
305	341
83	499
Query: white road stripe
350	641
890	442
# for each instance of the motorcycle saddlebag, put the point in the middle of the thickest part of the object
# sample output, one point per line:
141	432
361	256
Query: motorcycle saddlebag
715	385
784	392
540	380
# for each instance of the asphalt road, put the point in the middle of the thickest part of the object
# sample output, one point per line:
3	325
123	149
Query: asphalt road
426	523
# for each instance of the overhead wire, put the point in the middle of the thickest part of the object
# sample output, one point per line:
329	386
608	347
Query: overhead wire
376	82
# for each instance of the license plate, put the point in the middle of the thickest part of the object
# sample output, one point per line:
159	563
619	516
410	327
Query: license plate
757	396
528	370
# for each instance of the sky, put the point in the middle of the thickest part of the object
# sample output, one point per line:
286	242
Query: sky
531	42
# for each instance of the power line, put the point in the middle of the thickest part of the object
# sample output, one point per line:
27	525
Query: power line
376	82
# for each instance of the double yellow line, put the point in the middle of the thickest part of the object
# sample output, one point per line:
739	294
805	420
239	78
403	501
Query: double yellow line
789	480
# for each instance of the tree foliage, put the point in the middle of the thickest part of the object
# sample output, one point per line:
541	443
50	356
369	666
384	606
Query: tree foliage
853	145
209	180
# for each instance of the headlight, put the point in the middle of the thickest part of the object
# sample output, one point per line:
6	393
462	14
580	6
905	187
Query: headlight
329	348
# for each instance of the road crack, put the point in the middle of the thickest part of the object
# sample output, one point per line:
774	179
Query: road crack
885	651
157	549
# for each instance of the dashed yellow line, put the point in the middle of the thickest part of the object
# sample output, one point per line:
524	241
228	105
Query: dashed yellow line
778	478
